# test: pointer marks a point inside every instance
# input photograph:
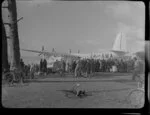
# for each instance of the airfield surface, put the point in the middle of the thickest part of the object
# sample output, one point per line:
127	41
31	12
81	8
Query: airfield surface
52	91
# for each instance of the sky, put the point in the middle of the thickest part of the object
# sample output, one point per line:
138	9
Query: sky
88	26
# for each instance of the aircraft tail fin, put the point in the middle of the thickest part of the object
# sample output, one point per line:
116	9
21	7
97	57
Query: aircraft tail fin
119	43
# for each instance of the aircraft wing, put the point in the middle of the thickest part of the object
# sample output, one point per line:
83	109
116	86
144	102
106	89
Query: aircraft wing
66	55
52	53
32	51
35	51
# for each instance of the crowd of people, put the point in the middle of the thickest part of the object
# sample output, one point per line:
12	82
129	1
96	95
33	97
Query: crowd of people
89	66
32	69
86	66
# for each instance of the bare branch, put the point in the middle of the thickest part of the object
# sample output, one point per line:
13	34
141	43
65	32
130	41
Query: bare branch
19	19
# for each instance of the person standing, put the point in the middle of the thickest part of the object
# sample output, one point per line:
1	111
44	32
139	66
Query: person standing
136	71
32	71
67	66
91	66
88	68
62	68
73	66
45	66
22	64
77	68
100	66
41	65
128	65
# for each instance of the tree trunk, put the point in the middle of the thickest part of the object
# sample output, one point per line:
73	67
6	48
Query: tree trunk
13	35
4	49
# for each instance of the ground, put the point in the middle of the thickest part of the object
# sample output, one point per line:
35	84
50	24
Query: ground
107	90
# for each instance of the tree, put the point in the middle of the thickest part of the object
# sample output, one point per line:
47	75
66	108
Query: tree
4	49
13	35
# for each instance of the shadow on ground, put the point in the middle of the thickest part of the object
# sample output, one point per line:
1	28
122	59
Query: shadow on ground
72	94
